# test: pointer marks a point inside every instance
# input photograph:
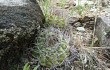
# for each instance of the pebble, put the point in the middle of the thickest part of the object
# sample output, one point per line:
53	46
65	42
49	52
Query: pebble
73	20
82	29
77	24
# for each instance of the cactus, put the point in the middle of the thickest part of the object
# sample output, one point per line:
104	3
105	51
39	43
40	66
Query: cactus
51	54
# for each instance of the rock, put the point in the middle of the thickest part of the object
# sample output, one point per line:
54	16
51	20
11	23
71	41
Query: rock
76	14
103	30
89	25
82	29
70	3
104	3
61	13
20	21
93	9
73	20
86	19
77	24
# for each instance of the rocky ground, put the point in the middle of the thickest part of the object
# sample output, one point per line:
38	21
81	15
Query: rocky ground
65	42
81	25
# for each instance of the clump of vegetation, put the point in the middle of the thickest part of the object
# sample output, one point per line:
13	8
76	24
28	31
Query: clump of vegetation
51	48
51	19
90	61
62	3
82	10
27	67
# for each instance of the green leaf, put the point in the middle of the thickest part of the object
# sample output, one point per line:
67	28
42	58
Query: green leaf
26	67
36	67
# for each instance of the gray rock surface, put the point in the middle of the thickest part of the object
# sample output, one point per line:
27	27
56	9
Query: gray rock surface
12	2
81	29
20	21
103	34
103	30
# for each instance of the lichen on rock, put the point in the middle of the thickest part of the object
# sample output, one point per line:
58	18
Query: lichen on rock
19	25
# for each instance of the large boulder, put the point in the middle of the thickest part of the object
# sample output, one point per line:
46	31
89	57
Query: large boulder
20	21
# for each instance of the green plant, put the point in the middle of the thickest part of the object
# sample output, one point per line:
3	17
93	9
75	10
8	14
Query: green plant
51	19
62	3
35	68
51	47
80	9
27	67
55	20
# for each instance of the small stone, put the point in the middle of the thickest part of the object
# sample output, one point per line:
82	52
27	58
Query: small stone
93	10
76	14
77	24
73	20
82	29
